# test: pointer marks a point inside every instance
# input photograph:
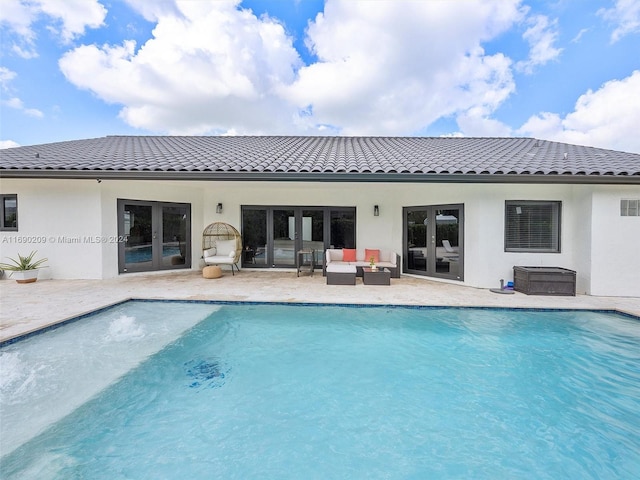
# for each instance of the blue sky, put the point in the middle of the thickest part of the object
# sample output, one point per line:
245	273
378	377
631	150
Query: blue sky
562	70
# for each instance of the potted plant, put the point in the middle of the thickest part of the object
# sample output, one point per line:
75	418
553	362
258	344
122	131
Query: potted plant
372	263
24	269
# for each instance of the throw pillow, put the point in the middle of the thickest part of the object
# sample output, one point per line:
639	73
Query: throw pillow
372	253
348	254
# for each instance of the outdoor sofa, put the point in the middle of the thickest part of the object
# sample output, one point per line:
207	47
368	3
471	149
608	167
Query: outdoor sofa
361	257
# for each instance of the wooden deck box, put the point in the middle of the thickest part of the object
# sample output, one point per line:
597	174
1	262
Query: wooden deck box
544	280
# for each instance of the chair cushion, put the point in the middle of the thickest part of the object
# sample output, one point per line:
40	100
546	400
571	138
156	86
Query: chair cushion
210	252
348	254
226	247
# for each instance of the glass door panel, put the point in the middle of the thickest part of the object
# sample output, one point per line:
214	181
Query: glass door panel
174	236
138	247
447	241
343	228
416	240
313	233
284	238
254	237
433	241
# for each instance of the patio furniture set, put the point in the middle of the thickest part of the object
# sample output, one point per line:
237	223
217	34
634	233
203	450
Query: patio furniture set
376	267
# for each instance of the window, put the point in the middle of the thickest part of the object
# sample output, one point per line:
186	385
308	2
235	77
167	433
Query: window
630	208
9	212
532	226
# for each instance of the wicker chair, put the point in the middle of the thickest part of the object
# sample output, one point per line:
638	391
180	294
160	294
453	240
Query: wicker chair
212	238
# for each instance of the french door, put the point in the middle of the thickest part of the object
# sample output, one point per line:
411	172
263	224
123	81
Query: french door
272	236
156	236
433	241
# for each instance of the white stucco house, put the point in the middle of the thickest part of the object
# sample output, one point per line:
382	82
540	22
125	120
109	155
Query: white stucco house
464	210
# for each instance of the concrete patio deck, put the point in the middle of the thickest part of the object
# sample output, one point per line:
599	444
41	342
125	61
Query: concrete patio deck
29	307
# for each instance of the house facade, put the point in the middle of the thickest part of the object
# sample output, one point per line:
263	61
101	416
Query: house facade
463	210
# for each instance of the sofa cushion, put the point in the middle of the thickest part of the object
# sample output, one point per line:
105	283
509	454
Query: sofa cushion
348	254
341	268
372	253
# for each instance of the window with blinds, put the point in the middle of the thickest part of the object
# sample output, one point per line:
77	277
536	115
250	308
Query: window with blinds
630	207
532	226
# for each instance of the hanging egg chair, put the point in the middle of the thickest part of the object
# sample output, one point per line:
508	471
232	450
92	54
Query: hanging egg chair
218	241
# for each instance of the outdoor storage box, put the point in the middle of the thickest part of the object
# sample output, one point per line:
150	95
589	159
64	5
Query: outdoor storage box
544	280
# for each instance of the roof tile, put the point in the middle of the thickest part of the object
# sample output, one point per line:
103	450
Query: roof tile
290	154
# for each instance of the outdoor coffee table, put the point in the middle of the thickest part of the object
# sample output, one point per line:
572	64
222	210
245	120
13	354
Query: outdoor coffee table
381	276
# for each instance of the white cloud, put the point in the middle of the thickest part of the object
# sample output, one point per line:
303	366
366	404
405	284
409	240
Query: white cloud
17	104
73	16
383	68
390	68
209	69
67	19
18	17
608	117
6	77
626	15
154	11
541	36
8	144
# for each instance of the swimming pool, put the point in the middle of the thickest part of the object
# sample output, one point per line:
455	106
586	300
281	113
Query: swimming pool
296	391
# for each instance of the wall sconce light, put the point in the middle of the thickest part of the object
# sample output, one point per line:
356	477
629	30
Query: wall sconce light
219	208
376	211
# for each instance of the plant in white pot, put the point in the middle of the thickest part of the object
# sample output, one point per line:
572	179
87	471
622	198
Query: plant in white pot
23	269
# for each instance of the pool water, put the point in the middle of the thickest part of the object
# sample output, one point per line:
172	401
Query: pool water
282	391
144	254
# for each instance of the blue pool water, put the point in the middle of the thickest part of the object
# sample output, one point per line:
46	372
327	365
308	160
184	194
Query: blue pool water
280	391
144	254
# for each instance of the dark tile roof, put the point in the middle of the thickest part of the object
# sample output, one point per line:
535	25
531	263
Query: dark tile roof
390	158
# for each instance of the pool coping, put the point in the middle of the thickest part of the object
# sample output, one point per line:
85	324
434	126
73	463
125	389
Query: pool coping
66	321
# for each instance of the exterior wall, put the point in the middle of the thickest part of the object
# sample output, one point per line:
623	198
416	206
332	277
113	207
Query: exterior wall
73	223
582	241
615	244
606	261
54	219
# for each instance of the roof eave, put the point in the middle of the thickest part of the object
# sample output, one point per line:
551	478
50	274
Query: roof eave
320	176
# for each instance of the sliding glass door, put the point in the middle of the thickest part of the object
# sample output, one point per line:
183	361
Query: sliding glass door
272	236
433	241
157	236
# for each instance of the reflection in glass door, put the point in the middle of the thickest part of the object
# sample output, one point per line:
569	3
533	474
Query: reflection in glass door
284	238
433	241
312	227
416	243
174	235
254	237
138	229
158	236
